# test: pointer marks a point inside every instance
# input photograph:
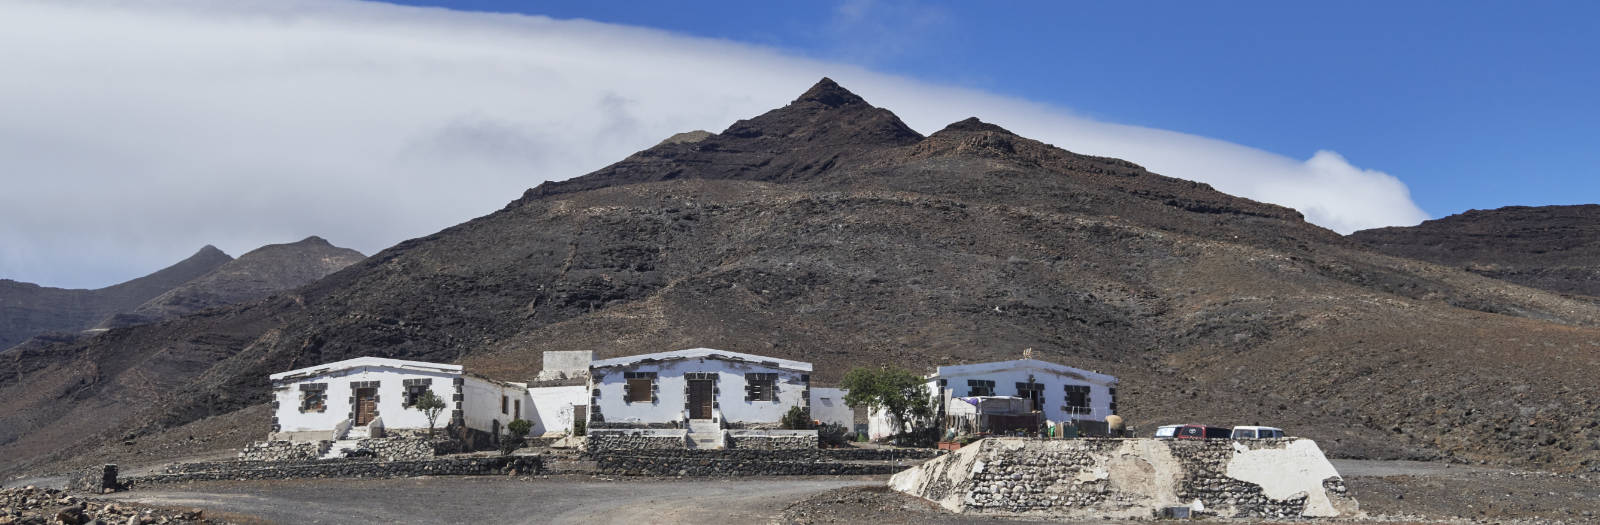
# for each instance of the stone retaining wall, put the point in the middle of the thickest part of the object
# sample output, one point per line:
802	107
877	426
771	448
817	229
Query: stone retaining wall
733	462
636	439
771	439
340	468
284	450
409	447
1133	478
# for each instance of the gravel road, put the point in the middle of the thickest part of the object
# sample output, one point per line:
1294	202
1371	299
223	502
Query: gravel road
499	499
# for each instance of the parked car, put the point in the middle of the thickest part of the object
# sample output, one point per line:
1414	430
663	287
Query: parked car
1192	432
1255	432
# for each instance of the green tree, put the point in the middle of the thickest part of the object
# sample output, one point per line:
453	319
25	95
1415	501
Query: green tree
516	430
900	393
431	406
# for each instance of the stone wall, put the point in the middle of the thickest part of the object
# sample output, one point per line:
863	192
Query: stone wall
635	439
409	447
1132	478
340	468
284	450
94	480
771	439
733	462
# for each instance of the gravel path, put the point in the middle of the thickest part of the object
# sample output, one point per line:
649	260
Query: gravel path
499	499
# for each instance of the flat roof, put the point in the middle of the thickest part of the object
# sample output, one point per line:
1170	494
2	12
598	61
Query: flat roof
695	353
1034	364
313	371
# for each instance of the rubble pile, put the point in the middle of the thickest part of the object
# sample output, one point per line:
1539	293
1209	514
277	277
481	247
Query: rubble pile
32	505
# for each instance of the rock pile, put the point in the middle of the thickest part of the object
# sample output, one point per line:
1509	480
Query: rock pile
32	505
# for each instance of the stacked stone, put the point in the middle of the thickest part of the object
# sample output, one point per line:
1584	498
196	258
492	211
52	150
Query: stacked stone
284	450
342	468
790	462
1019	481
772	442
407	447
621	440
1205	478
28	505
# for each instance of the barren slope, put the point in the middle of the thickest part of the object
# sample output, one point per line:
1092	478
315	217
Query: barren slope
829	232
27	309
1555	248
256	274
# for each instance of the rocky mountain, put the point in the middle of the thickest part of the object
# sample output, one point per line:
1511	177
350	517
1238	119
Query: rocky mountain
256	274
1555	248
827	230
27	309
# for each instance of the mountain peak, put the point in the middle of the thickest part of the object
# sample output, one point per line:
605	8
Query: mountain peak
971	124
829	93
313	241
209	251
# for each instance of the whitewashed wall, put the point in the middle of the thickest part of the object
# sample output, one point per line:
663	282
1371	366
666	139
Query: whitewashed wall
672	392
827	406
552	407
1055	396
482	402
391	398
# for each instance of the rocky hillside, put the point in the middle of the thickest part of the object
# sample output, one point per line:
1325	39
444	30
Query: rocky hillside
259	273
829	231
27	309
1554	248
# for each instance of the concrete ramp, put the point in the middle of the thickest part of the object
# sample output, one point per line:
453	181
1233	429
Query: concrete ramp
1132	478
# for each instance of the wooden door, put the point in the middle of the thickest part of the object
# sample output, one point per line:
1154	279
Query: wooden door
700	399
366	405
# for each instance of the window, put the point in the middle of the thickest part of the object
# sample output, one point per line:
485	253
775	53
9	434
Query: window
503	400
761	387
980	387
639	388
314	397
1113	400
1077	399
1033	392
518	406
415	389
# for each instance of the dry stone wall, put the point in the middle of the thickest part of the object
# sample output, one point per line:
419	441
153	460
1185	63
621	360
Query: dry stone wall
1133	478
635	440
340	468
735	462
771	439
284	450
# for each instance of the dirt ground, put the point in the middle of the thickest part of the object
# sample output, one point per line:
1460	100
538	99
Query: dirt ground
1389	492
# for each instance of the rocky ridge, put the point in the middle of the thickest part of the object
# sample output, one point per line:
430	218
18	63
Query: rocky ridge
1555	248
828	231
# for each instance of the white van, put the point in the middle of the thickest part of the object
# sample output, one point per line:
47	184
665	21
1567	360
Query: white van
1257	433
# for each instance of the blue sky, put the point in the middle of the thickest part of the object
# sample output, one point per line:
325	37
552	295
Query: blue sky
1472	104
136	132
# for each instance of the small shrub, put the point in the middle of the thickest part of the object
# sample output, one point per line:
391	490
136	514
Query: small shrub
516	430
832	436
797	418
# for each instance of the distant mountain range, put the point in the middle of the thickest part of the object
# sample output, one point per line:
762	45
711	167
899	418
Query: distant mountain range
1555	248
207	279
829	231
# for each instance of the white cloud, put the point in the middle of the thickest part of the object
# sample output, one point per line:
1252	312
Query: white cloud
134	132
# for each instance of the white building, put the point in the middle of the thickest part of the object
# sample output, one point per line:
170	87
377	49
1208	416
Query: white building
669	389
827	406
1060	393
373	396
